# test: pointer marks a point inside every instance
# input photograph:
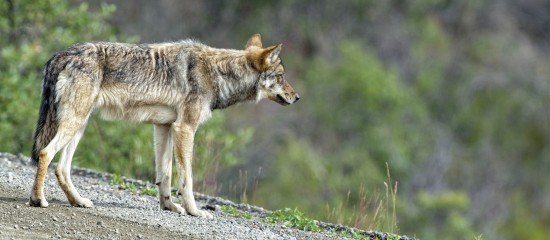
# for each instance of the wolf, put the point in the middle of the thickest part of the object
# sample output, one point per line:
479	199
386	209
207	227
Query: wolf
174	86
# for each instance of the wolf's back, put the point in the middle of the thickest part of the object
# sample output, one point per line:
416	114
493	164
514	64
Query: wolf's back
46	127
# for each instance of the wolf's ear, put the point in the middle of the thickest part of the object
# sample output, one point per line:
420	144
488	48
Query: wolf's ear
272	53
254	41
261	59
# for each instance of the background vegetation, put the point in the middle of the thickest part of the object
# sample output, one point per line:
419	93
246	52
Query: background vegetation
450	94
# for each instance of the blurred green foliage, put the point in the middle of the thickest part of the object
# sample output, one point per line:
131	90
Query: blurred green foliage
450	209
377	118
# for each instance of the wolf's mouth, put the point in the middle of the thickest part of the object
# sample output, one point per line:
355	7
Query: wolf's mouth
282	100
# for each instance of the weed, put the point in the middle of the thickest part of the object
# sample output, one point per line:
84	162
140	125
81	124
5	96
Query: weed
393	192
116	180
150	191
348	234
235	213
229	210
131	187
246	215
392	237
371	211
357	235
293	218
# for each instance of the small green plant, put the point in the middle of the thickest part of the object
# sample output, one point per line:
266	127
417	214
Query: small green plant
358	236
229	210
130	187
349	234
293	218
235	213
116	180
392	236
149	191
246	215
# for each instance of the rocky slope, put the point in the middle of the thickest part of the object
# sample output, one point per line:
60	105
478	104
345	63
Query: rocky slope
129	214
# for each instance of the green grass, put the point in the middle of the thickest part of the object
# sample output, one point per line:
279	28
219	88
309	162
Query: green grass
343	233
246	215
116	180
229	210
149	191
358	236
371	209
130	187
293	218
235	213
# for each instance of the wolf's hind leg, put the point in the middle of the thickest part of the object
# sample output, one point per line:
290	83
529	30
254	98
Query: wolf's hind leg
45	157
75	103
61	139
163	163
63	173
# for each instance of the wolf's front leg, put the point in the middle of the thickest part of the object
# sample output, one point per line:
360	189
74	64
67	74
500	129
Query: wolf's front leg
163	162
184	138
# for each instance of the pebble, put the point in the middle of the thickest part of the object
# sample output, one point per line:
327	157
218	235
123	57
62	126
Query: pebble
213	207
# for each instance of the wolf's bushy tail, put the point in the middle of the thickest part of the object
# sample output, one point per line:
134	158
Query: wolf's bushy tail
46	128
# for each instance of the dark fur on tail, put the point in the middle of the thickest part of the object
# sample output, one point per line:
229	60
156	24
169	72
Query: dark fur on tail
46	127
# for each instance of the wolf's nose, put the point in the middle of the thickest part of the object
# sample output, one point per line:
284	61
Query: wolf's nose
297	98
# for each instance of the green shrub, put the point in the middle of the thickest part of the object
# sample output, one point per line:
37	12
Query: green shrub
293	218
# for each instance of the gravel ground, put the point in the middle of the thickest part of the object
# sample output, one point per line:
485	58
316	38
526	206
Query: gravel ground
121	214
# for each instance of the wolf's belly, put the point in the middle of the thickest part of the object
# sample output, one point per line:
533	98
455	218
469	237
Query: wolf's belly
149	114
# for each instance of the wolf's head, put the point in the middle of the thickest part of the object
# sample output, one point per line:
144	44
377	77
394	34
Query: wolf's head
266	61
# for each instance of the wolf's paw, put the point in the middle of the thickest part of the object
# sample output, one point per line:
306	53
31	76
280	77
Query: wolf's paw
83	203
174	207
201	213
37	202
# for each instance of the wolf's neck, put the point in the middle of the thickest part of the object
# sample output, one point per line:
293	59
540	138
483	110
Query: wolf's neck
235	81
